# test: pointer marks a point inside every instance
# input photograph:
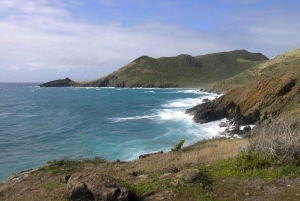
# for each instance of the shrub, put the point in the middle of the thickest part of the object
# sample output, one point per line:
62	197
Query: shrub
178	146
274	144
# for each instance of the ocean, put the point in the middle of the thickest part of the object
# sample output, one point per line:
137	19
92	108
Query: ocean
42	124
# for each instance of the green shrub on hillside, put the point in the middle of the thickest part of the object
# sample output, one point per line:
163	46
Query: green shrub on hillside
178	146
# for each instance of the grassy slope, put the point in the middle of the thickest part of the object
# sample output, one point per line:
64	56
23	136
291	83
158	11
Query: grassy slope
272	87
256	70
180	71
156	173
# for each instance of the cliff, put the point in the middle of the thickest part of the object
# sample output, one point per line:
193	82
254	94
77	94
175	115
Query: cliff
271	92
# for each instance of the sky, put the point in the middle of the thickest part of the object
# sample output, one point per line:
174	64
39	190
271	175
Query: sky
43	40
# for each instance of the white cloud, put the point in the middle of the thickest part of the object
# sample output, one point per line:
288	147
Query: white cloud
41	38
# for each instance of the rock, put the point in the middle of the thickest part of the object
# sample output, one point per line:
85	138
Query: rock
246	129
223	124
162	196
176	183
165	176
65	179
147	194
59	83
208	188
142	177
205	100
172	170
206	112
150	154
17	177
94	186
260	188
189	175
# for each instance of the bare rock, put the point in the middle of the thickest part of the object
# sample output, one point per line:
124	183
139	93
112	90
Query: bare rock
93	187
150	154
143	177
64	179
166	176
260	188
206	112
223	124
189	175
162	196
176	183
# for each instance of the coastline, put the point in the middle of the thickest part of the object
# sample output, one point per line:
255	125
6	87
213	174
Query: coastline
215	126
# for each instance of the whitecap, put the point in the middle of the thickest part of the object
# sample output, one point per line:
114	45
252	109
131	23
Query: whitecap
167	114
213	129
5	114
187	102
120	119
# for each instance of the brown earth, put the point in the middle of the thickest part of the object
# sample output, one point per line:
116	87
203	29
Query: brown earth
272	91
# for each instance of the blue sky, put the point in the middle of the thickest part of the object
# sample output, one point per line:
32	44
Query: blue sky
42	40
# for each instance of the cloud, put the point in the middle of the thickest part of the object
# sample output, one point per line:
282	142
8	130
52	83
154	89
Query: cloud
37	35
42	38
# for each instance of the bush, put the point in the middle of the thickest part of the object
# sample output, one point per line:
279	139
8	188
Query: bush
178	146
274	144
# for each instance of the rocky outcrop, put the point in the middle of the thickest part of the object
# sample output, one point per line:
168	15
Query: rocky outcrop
150	154
93	186
272	94
189	175
59	83
208	111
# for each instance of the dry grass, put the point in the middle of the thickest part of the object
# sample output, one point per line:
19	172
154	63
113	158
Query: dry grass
279	142
145	174
45	185
202	153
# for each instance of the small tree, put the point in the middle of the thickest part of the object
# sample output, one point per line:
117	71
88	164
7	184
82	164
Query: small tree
178	146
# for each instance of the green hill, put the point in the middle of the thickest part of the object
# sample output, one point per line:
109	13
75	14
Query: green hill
290	57
269	90
180	71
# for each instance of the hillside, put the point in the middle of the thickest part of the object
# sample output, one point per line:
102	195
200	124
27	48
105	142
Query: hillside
254	71
179	71
267	91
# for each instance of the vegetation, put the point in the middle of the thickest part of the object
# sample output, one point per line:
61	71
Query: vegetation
69	165
274	144
232	169
178	146
180	71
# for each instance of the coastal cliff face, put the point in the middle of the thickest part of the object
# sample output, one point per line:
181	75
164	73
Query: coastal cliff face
274	93
180	71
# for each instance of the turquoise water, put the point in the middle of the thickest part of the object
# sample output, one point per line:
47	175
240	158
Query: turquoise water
41	124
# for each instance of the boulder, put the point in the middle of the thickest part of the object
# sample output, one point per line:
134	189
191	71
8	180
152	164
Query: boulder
223	124
189	175
206	112
176	183
94	186
150	154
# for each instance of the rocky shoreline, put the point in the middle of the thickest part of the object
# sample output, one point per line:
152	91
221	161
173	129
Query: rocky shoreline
203	113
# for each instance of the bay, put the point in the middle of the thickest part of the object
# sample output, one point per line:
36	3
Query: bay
42	124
